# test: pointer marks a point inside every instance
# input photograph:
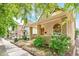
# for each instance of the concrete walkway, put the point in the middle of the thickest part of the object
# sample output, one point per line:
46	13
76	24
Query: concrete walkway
12	50
77	46
2	49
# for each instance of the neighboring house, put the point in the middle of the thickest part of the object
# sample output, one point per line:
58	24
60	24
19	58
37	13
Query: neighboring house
19	31
60	22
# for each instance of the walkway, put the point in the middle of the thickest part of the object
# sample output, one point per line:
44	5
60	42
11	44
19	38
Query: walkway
10	49
77	46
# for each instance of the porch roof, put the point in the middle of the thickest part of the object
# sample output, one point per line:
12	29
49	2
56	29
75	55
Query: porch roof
53	17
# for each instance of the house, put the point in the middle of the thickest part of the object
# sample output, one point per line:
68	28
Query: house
19	31
59	21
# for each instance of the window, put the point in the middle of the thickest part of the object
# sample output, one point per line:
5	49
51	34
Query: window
57	28
34	31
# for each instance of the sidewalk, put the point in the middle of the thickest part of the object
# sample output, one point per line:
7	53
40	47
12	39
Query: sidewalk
77	46
13	50
2	49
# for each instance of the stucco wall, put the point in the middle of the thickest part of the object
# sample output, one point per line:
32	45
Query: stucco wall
48	27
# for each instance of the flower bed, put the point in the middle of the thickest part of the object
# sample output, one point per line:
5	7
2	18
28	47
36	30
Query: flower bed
38	47
42	51
28	46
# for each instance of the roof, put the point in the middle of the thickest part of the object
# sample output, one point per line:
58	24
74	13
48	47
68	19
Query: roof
52	17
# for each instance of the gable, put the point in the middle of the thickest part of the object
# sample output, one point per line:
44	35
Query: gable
44	17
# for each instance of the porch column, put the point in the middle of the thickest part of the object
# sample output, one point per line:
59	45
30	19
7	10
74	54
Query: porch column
38	29
30	32
71	29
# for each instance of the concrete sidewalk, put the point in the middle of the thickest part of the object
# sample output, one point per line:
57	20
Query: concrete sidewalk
77	46
12	50
2	49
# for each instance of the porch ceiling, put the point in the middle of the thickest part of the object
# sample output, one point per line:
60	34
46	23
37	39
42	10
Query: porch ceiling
51	18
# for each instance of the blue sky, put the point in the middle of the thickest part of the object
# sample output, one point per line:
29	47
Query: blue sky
33	18
77	21
77	17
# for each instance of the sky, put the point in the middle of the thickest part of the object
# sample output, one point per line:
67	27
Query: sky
77	21
33	18
77	17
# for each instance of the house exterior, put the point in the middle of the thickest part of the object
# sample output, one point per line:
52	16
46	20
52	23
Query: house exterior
19	31
58	21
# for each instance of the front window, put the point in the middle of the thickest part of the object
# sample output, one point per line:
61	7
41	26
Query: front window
57	28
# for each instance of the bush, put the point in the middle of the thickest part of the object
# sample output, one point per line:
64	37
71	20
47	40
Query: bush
77	32
38	42
16	39
60	44
24	37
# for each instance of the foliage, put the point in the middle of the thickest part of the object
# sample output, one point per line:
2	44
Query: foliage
16	39
46	9
72	7
5	18
24	37
8	11
60	44
77	31
38	42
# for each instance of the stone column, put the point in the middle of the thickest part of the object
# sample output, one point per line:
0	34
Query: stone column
71	28
30	32
38	29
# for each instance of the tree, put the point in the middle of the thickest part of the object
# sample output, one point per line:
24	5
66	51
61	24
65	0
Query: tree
8	11
6	18
46	9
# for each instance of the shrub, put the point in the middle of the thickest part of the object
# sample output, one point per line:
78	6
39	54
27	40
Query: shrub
38	42
24	37
60	44
16	39
77	32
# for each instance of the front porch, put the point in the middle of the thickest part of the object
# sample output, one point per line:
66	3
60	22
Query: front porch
46	27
